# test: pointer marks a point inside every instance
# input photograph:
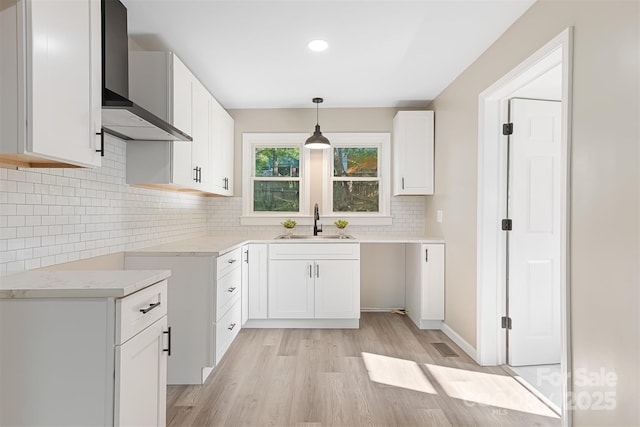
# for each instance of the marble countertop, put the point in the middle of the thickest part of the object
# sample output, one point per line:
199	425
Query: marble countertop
78	284
217	245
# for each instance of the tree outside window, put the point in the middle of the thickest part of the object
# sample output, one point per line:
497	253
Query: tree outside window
276	183
355	179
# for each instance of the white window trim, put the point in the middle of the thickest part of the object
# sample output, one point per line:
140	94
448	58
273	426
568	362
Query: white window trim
379	140
251	141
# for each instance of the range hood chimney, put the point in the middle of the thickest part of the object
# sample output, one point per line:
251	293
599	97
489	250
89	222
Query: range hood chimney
122	117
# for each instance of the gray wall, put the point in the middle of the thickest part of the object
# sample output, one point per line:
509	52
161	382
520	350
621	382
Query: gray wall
605	232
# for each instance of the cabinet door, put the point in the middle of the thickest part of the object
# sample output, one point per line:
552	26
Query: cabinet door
64	112
413	153
337	289
141	378
227	150
432	282
257	281
291	289
182	119
200	156
222	149
245	285
217	155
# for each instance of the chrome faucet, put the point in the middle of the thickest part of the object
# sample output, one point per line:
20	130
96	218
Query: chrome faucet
316	218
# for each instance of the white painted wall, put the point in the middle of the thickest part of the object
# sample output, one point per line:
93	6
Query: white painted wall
382	276
605	190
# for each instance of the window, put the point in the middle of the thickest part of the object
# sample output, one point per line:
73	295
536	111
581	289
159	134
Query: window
356	177
277	180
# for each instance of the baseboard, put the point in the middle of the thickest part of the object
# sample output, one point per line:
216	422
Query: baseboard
303	323
460	342
431	324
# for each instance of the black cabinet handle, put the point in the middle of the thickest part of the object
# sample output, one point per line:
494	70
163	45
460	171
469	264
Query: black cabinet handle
198	171
168	350
231	326
101	150
151	307
231	261
231	289
426	255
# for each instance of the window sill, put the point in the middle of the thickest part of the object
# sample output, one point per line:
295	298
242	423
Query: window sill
308	220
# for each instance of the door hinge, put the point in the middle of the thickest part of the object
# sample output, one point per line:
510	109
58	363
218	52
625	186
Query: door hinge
506	322
507	129
507	225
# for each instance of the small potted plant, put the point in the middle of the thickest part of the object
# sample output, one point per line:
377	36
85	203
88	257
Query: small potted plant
289	225
341	224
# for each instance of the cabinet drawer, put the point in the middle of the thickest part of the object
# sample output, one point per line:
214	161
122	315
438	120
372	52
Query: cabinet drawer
227	329
139	310
228	262
228	289
314	251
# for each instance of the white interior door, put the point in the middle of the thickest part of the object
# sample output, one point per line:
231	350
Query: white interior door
535	241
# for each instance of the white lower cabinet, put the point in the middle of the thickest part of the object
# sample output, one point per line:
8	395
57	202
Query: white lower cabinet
254	281
291	289
85	361
314	281
205	310
228	307
337	289
425	284
141	394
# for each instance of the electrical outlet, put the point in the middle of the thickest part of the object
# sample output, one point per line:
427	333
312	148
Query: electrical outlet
439	216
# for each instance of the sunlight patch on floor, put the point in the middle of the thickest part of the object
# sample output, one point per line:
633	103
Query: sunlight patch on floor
397	372
500	391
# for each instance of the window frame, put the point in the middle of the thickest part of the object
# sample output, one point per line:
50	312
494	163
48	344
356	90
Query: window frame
251	141
379	140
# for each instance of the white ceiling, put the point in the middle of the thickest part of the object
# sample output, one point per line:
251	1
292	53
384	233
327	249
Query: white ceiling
253	54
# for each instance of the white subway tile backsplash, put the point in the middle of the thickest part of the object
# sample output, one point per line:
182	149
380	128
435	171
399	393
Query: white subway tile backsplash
15	221
50	216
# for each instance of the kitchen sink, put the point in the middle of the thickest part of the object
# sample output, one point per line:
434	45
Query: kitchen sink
311	237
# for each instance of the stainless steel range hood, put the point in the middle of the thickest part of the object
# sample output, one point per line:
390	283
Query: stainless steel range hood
122	117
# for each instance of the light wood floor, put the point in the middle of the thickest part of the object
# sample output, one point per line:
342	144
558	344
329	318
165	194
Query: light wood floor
304	377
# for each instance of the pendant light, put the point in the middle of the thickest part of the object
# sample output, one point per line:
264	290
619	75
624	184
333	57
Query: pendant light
317	141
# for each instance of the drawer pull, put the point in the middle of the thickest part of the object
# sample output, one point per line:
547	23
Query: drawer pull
151	307
231	289
168	350
232	260
231	326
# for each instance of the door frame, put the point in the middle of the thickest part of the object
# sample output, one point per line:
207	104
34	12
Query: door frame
492	181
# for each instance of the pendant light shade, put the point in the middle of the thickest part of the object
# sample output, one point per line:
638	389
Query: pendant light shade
317	141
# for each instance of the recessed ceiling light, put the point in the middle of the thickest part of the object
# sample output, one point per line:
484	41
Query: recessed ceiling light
318	45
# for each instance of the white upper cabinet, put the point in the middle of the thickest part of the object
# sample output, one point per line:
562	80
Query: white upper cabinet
50	83
178	112
222	153
176	165
413	153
